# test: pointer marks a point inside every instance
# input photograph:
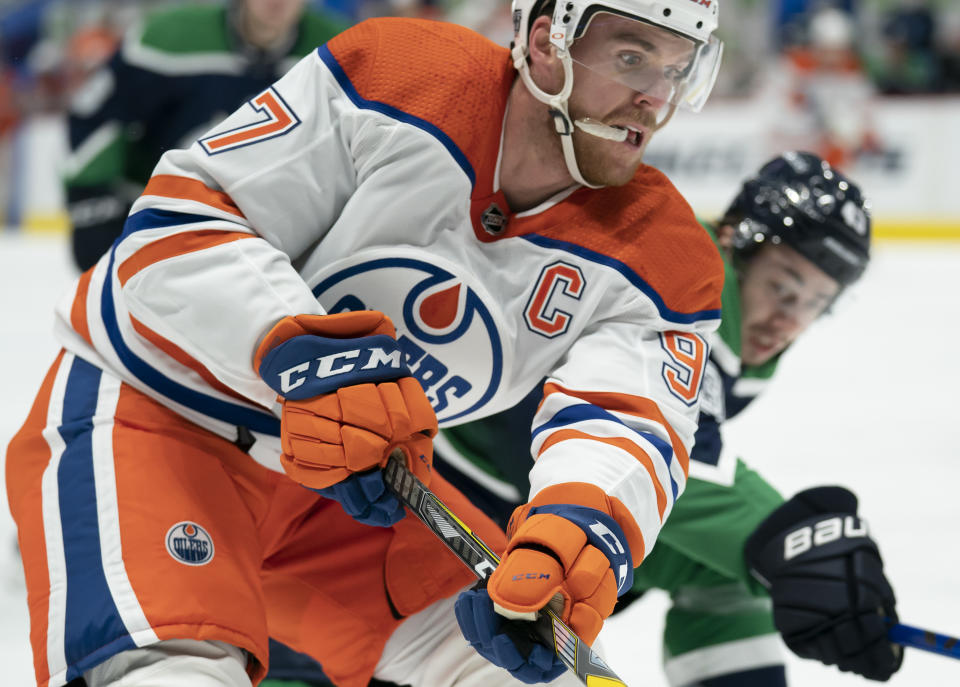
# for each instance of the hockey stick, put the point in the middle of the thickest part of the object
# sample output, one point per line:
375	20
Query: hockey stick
573	651
924	639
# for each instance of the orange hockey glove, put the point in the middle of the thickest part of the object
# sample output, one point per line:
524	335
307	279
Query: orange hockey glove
573	543
348	399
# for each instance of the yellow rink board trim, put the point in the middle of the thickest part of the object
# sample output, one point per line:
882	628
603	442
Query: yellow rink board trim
46	223
916	231
598	681
883	230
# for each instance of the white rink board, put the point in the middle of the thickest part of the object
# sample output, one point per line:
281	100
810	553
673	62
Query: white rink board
707	155
863	401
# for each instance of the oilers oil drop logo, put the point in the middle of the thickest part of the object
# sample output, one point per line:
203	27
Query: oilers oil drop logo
448	334
189	544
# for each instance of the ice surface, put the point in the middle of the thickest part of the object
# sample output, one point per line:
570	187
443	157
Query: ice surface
867	399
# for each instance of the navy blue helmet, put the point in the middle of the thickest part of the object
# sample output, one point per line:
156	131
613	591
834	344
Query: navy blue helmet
799	200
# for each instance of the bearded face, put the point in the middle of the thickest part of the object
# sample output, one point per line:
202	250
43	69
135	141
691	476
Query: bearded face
626	74
604	162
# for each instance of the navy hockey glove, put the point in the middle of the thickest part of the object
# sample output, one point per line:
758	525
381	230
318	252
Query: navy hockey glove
348	401
831	600
366	499
506	643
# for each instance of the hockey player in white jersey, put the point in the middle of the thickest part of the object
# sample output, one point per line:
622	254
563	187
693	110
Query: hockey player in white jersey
399	233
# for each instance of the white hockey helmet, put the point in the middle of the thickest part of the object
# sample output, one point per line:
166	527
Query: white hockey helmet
694	19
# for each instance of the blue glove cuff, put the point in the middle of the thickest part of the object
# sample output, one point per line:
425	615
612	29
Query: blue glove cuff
366	499
603	532
487	632
307	366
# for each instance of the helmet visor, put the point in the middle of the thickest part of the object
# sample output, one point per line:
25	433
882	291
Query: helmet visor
670	68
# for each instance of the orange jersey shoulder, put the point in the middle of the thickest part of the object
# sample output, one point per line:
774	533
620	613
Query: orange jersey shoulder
450	78
648	227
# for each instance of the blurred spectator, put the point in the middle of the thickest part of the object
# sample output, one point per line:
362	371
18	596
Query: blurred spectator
20	28
8	111
790	17
174	77
908	61
825	91
949	25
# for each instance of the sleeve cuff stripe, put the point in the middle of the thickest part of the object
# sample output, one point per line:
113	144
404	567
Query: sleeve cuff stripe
624	445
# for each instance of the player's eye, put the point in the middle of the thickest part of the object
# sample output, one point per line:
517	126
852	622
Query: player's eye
817	304
778	289
630	60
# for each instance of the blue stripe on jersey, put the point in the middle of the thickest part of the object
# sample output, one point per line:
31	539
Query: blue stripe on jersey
221	410
92	619
159	219
582	412
341	76
631	276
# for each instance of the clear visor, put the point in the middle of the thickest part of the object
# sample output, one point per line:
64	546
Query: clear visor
670	68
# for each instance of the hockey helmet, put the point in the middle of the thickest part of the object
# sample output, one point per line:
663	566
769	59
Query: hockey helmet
799	200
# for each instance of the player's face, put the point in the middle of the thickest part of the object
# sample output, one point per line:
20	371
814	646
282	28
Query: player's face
781	294
625	74
275	15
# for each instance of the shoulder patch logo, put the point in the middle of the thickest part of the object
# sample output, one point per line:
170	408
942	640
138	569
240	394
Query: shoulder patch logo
189	543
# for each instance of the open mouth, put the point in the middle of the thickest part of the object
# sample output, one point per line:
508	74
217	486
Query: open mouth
634	136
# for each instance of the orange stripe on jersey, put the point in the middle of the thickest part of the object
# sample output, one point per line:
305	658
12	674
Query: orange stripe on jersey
184	358
172	246
622	443
28	455
172	186
627	404
78	312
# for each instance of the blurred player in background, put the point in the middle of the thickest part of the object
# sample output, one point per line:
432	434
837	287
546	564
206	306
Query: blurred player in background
183	70
825	92
795	236
202	466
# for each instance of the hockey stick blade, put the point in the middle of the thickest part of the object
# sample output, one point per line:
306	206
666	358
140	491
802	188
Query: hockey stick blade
576	654
916	638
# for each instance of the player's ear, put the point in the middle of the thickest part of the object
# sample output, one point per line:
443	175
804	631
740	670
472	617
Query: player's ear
545	66
725	235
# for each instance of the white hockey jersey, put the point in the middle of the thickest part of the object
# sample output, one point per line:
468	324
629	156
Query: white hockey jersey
366	178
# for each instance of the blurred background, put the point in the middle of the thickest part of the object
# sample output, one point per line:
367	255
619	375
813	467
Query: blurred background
867	398
872	85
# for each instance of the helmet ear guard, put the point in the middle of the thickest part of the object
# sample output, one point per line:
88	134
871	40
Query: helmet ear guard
799	200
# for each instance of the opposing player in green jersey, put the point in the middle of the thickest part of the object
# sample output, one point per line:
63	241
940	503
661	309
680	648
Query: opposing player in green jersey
184	69
795	236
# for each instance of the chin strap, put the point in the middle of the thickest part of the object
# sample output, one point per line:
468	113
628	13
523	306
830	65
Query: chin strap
558	108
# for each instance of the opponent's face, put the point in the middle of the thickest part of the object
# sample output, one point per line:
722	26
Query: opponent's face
625	74
781	294
274	15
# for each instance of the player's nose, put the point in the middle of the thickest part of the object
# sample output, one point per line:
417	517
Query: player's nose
654	96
